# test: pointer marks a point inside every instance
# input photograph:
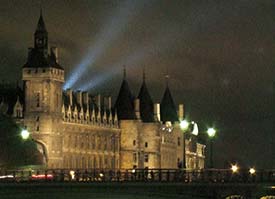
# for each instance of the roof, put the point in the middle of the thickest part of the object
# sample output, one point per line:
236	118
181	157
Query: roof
37	59
167	107
146	104
125	103
41	27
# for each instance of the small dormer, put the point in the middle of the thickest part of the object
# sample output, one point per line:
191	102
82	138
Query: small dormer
18	109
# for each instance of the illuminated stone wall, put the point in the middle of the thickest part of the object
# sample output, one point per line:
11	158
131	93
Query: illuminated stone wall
42	115
140	144
90	146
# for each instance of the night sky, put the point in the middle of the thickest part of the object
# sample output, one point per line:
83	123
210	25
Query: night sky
219	56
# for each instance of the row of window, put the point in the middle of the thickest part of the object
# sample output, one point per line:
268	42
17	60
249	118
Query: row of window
89	162
91	142
53	71
145	144
145	157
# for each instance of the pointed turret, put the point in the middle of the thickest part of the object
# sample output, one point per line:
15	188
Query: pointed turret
41	36
124	103
41	27
146	103
38	57
168	110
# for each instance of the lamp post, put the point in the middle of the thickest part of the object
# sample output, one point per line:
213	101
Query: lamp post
184	124
211	133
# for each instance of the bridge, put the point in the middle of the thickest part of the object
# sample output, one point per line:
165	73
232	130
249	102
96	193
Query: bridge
152	183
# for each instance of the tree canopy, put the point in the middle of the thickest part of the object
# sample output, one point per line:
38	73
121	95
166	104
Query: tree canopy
14	151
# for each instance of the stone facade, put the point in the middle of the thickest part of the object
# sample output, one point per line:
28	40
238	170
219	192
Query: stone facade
78	130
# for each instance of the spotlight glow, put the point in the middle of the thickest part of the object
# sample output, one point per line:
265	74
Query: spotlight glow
114	69
112	29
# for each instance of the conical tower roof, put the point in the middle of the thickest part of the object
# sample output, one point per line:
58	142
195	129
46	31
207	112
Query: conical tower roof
41	27
146	103
124	103
167	107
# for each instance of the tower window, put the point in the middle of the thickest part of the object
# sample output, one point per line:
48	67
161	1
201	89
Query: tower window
146	157
146	144
134	142
37	99
37	128
134	157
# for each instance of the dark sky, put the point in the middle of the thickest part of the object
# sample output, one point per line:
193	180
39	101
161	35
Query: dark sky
219	56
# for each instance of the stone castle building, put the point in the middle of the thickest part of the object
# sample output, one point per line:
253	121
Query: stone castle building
74	129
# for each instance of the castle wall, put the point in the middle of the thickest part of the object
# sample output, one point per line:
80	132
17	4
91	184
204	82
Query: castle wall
140	144
90	146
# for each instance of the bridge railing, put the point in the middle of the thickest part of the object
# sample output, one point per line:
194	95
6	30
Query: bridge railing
138	175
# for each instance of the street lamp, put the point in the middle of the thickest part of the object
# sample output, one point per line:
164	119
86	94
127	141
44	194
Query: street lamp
184	124
25	134
234	168
252	171
211	133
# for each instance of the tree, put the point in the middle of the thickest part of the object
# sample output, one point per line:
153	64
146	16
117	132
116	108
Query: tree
14	151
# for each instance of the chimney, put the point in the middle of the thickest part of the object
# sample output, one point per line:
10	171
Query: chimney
107	103
69	93
157	112
85	98
181	112
98	101
54	50
137	112
79	97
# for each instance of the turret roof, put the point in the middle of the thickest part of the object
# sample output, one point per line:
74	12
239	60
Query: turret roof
41	27
167	107
146	104
124	103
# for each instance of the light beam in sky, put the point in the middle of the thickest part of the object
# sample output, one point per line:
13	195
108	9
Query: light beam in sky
159	43
108	34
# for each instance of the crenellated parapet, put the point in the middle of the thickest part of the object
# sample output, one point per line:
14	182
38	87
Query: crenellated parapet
81	108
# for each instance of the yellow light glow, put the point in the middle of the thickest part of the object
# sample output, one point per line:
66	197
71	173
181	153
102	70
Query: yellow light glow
133	171
234	168
184	124
101	175
211	132
25	134
72	174
252	171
